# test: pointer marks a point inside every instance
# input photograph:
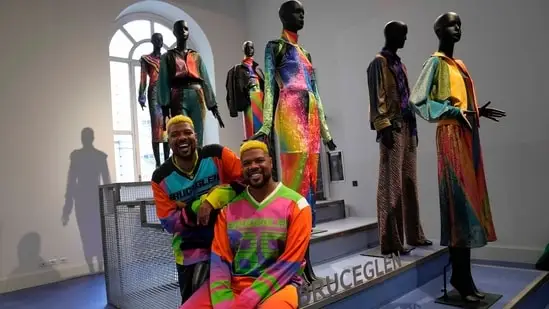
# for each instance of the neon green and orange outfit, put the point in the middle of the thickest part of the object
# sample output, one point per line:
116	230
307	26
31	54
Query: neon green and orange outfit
258	251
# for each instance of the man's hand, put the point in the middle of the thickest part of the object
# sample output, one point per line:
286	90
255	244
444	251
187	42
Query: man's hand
491	113
180	204
204	213
387	138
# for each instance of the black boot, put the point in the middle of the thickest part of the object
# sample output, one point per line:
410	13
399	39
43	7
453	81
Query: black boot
308	273
461	280
476	292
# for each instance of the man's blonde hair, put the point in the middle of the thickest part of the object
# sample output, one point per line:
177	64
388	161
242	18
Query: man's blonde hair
177	120
253	144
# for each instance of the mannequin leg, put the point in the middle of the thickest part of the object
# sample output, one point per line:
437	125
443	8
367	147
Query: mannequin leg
389	197
410	200
476	292
194	106
461	278
156	152
166	151
248	123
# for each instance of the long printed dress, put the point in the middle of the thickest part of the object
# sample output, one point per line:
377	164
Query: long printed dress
150	66
299	120
443	89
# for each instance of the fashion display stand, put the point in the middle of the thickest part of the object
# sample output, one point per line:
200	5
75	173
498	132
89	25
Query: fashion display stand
453	298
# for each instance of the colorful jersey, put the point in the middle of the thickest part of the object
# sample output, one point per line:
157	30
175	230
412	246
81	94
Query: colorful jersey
259	247
215	165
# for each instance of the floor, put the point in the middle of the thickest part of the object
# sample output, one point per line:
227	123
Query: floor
89	292
492	279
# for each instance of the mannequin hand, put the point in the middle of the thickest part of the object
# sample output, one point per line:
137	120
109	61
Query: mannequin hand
331	145
259	136
216	114
142	99
491	113
204	213
387	138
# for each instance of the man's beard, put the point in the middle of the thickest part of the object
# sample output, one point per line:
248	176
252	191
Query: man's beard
266	177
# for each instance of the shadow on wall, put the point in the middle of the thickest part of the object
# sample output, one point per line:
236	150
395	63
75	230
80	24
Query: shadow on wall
28	254
88	167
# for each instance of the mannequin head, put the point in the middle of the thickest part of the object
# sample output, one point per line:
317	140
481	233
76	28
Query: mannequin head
157	41
292	15
395	34
248	48
448	28
181	30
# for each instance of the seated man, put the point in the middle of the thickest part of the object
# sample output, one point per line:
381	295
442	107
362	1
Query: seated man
261	236
177	184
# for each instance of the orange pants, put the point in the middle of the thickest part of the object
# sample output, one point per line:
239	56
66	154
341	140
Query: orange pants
286	298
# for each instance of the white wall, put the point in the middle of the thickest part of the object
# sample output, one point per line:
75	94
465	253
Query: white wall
56	82
503	45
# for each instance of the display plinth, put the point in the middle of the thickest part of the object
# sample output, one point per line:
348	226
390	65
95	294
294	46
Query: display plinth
454	299
318	231
376	252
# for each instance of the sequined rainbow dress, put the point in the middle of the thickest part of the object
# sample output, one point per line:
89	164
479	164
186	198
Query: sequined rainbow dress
291	93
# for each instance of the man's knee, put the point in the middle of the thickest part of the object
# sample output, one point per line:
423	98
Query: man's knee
200	299
286	298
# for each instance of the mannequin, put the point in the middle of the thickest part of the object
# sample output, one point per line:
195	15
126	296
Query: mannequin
395	123
184	85
245	86
150	66
291	93
445	93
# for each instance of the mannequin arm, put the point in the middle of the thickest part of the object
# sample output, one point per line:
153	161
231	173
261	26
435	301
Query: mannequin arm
142	82
378	97
221	294
208	91
270	86
324	131
431	97
163	83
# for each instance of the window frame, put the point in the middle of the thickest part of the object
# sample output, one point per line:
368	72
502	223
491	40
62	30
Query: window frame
131	63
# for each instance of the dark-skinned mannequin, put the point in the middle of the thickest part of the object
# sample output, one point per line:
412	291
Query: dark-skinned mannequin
184	85
150	67
445	94
297	111
245	85
395	123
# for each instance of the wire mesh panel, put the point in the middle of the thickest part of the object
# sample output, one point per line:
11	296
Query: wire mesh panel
140	269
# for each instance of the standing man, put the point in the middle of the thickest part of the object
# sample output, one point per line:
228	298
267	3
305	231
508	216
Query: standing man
261	237
190	173
395	123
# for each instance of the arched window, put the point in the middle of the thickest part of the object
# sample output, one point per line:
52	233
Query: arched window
134	157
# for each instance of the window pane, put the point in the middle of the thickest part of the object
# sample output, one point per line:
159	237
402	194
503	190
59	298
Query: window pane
120	45
139	29
142	49
120	96
123	158
146	157
167	34
163	50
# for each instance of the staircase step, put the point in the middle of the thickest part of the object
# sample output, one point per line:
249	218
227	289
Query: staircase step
330	210
338	238
520	288
379	280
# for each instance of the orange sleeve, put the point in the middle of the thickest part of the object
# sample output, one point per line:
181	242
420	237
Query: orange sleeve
220	265
169	215
288	264
229	166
